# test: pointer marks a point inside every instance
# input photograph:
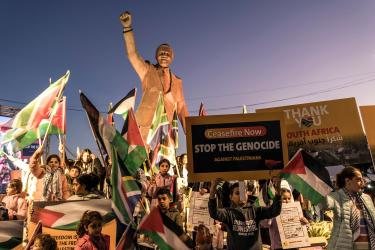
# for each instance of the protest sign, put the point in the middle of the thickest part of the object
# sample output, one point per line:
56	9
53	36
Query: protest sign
368	119
235	147
292	233
60	219
330	131
198	212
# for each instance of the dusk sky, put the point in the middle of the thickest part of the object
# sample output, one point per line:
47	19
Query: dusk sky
228	53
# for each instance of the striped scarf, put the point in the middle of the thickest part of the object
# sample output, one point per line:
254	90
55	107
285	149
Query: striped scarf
51	184
355	218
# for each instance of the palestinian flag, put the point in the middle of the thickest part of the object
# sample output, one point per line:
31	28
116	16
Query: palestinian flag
126	160
128	239
18	138
95	120
30	116
308	176
271	190
108	136
159	126
266	194
126	191
110	116
137	153
66	215
26	124
125	104
58	121
162	230
10	233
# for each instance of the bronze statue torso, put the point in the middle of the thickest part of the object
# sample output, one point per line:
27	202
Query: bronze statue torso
152	85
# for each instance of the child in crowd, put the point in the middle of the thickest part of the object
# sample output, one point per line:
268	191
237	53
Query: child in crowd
14	202
286	197
90	234
89	163
85	188
203	240
71	176
165	199
44	242
74	172
163	180
242	222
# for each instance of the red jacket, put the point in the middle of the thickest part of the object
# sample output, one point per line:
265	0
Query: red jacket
85	243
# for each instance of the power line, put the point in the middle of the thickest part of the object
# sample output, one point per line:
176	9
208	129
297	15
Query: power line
333	88
290	98
71	108
280	88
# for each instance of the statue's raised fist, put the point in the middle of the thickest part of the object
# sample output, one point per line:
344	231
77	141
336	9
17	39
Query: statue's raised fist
126	19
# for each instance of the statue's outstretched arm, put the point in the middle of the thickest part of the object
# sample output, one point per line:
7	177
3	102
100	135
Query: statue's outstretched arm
139	65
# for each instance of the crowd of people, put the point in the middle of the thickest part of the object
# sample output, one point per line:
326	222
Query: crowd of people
240	223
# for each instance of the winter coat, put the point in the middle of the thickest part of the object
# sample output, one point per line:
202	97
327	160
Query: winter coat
340	203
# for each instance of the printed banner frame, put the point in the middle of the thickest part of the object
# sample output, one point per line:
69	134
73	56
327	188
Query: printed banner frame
239	155
331	131
66	236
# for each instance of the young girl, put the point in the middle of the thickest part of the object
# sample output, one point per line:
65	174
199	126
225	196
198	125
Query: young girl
286	197
14	202
44	242
163	180
90	232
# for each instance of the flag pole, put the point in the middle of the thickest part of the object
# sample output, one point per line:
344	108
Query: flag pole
63	139
122	237
42	156
38	228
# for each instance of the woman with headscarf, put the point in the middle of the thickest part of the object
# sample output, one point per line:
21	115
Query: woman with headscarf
90	164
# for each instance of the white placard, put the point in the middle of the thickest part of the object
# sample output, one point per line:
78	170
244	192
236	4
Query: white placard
198	212
292	233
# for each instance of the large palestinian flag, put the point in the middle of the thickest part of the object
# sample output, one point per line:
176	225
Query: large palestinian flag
10	233
66	215
30	116
308	176
163	231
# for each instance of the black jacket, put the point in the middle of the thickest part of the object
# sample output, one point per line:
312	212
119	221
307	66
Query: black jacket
243	223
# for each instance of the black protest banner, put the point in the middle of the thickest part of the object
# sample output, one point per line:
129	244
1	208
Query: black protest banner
235	147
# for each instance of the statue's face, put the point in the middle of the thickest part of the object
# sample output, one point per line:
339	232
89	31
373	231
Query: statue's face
164	58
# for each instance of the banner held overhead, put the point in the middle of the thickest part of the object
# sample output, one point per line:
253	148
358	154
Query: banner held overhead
235	147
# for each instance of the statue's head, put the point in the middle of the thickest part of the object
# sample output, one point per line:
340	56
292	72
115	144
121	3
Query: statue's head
164	55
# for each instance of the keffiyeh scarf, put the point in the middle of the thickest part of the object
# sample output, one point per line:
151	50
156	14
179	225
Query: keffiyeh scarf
355	218
51	183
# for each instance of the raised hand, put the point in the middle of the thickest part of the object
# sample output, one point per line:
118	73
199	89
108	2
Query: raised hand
126	19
